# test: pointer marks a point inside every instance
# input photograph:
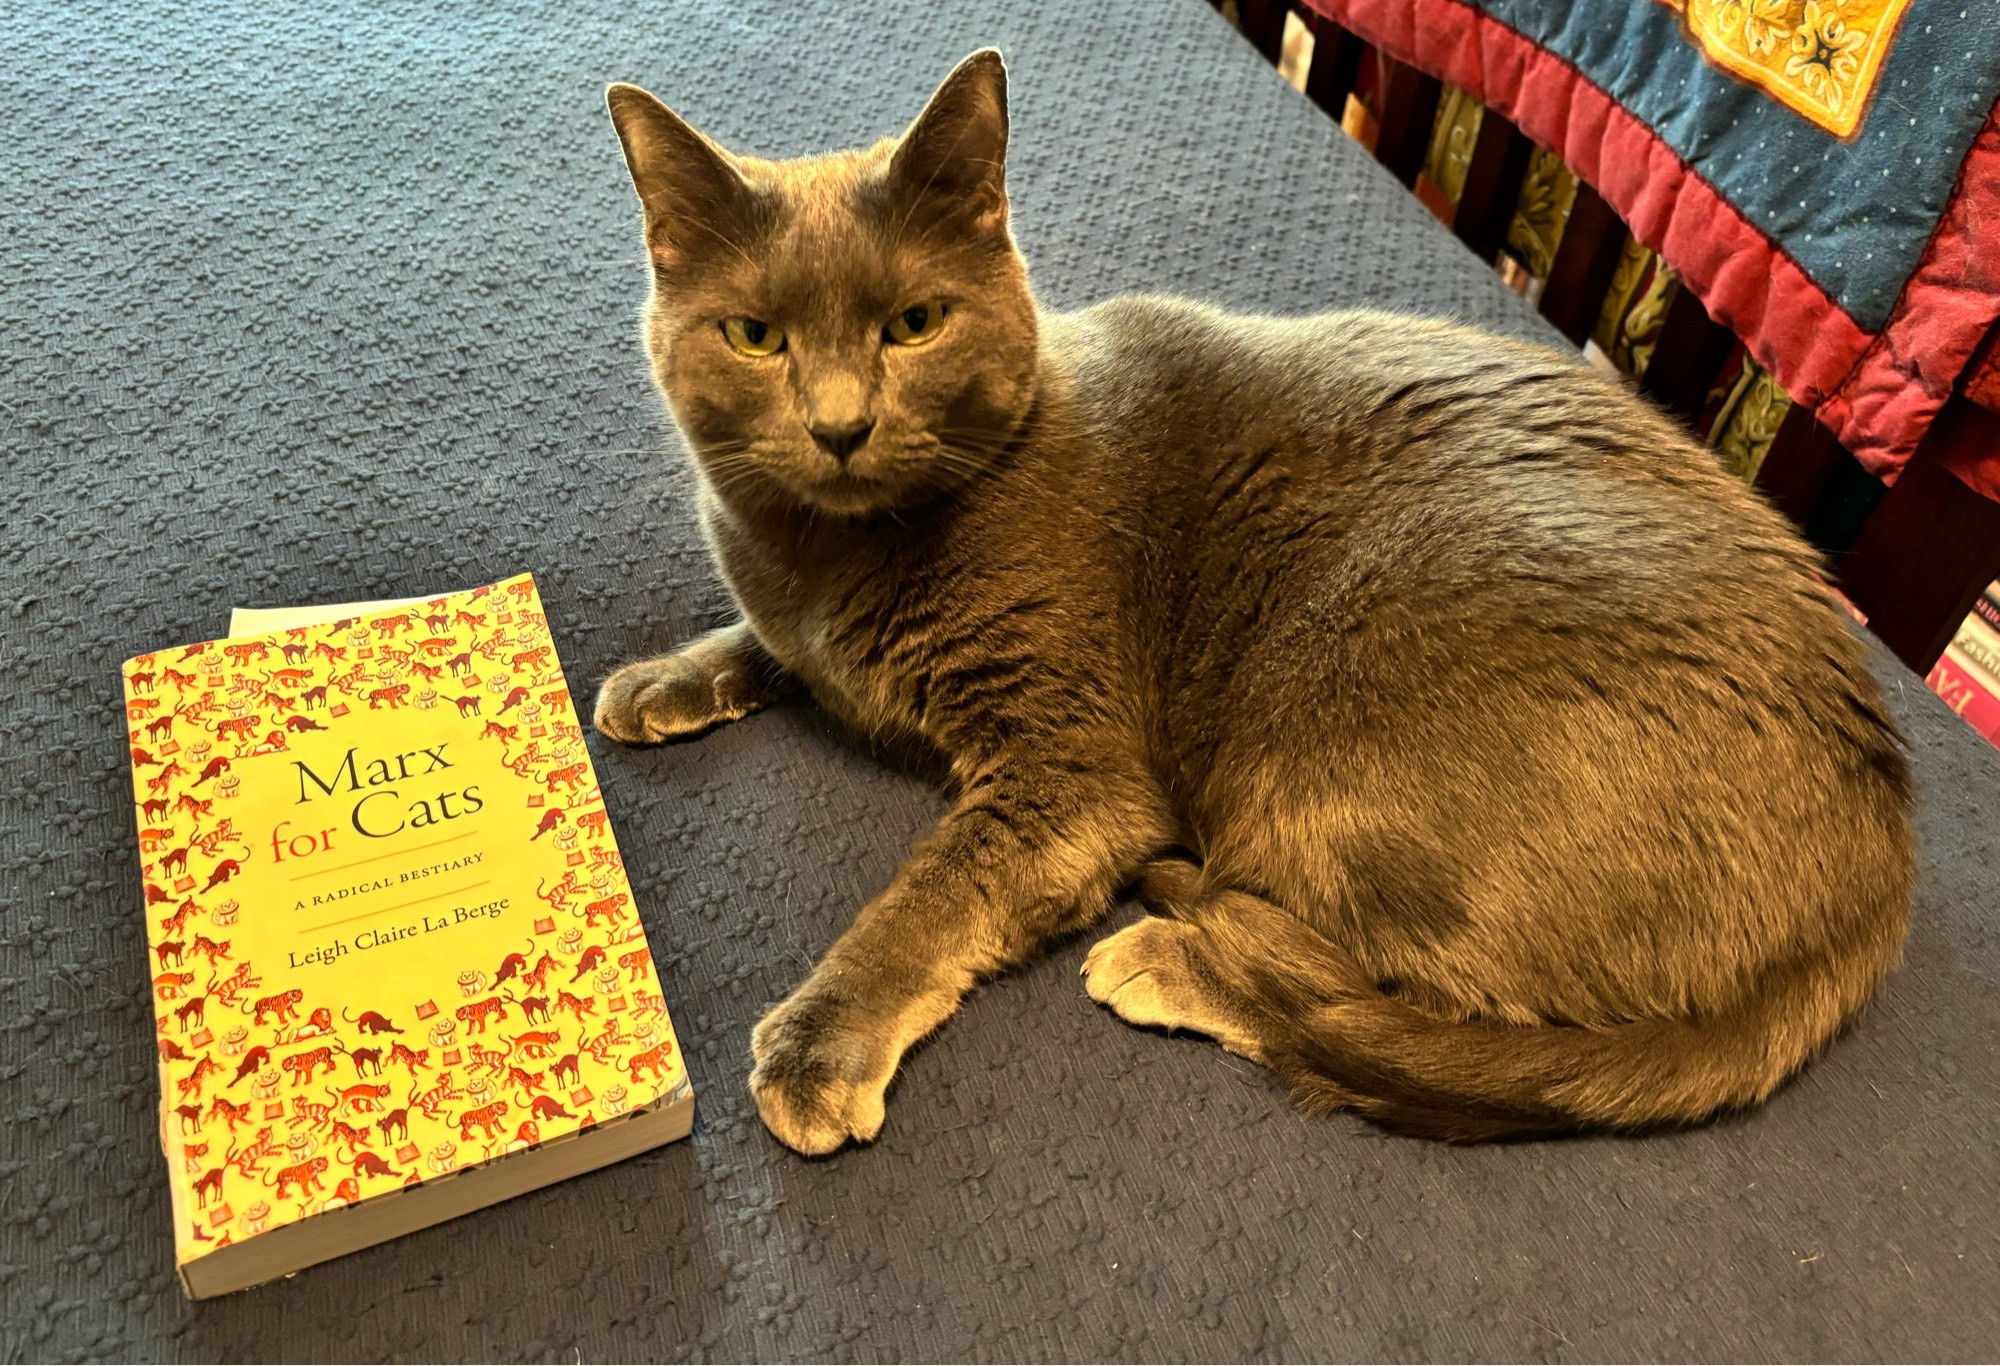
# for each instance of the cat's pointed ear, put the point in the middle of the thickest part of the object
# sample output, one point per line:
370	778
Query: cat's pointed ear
691	190
955	154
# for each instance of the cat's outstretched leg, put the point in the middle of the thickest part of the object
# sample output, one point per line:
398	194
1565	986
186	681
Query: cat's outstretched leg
721	677
1031	850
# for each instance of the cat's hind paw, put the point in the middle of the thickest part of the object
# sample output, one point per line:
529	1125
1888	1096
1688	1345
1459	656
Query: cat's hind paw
1150	974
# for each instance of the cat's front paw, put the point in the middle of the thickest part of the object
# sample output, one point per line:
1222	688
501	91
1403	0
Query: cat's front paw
822	1071
669	698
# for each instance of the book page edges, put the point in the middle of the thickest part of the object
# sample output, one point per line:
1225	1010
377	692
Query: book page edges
258	621
336	1233
246	622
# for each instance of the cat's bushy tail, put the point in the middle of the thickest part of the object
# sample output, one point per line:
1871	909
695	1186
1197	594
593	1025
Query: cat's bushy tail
1343	1044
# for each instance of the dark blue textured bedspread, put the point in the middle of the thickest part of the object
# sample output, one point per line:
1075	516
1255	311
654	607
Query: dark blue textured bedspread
313	302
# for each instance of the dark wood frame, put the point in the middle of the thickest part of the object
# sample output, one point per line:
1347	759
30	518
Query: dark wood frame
1913	557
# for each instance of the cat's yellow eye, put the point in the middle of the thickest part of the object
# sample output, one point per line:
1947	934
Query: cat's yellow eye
915	325
753	337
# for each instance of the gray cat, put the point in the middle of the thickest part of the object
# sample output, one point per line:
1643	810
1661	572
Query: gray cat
1492	762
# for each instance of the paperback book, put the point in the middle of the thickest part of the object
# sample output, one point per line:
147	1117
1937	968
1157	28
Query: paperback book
396	966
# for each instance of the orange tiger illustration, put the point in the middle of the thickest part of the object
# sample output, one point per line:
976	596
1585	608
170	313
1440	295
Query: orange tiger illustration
171	986
392	695
569	776
176	922
305	1066
355	1139
635	963
475	1017
204	947
608	908
238	727
222	1108
487	1117
285	1003
412	1058
654	1058
304	1175
190	1085
537	977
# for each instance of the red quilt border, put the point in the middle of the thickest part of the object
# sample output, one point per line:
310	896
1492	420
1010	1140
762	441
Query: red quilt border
1878	393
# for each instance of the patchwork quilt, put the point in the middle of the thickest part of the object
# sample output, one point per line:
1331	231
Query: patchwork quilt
1825	174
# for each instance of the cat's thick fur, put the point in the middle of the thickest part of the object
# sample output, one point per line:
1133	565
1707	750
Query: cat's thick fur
1530	779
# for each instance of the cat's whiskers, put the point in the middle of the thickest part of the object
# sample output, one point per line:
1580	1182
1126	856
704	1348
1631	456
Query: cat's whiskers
973	453
730	466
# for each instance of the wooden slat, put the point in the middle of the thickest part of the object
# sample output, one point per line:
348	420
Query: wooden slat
1585	259
1409	108
1844	505
1796	468
1932	544
1264	25
1336	66
1691	348
1492	185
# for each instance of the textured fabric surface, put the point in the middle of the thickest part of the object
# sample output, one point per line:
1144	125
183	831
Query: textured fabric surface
313	302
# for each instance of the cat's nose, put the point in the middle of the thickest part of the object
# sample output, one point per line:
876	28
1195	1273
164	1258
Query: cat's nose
843	439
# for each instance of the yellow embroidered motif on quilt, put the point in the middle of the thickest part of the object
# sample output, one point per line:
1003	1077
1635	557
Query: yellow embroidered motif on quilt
1819	58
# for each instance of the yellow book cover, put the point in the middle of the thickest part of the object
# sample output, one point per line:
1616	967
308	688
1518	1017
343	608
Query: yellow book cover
396	965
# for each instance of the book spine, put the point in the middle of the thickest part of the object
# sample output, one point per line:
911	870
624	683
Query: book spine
1966	691
1987	608
1980	646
